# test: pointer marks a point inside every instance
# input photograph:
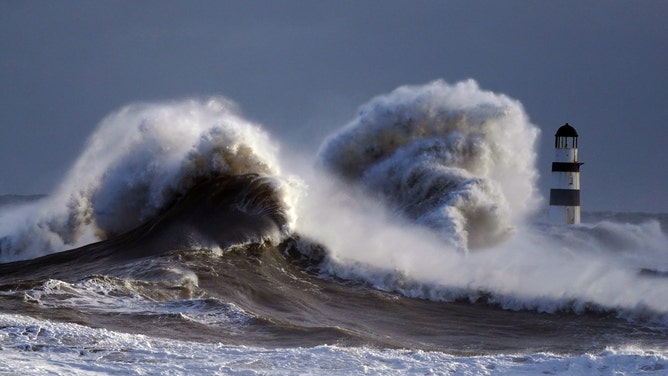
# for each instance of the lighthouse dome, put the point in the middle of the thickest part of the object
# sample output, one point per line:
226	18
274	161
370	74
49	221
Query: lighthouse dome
566	131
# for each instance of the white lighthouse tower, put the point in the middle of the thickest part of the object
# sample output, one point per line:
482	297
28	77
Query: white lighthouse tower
565	192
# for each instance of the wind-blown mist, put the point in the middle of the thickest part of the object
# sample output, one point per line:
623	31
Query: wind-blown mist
454	158
140	159
428	171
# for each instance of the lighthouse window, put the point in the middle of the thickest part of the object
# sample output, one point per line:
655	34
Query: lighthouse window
570	180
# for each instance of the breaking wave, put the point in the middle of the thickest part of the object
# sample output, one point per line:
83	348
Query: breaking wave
138	162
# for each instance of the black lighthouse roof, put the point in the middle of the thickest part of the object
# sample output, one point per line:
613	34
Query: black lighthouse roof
566	131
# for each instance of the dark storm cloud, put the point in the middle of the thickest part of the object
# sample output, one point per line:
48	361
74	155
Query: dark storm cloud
301	68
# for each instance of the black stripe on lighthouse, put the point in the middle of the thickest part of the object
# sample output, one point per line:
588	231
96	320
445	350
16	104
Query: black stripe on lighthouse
566	166
565	197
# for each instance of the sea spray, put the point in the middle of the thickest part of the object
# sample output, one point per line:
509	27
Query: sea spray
140	159
403	181
607	267
454	158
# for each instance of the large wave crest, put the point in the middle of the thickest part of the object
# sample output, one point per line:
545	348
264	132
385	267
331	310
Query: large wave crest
140	159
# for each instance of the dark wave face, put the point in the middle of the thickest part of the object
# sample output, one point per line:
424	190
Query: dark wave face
214	214
139	160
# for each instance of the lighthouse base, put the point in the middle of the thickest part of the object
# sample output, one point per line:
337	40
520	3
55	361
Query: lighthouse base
569	215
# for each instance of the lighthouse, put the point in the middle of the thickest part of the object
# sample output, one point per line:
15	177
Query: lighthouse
565	191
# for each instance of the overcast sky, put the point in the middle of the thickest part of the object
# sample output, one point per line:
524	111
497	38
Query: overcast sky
301	69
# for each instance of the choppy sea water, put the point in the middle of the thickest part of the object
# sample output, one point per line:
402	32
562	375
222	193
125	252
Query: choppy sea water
183	242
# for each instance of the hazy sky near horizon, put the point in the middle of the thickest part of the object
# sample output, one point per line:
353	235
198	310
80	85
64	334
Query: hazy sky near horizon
301	69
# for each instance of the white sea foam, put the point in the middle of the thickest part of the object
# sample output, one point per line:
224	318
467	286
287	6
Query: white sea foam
139	159
544	268
37	347
103	295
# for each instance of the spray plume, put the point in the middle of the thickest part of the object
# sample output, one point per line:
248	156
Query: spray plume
454	158
426	173
139	160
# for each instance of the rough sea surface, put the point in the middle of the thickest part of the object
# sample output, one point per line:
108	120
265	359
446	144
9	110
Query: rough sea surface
184	242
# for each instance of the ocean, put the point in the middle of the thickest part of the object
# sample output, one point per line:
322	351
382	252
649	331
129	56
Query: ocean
184	240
